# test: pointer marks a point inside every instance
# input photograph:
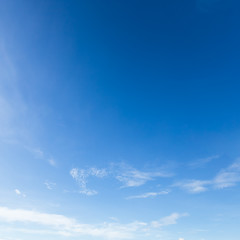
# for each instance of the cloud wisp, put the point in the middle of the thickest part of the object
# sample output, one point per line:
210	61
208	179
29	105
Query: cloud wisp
49	185
228	177
81	177
193	186
39	154
19	193
131	177
123	173
168	220
52	162
18	119
64	226
149	195
202	161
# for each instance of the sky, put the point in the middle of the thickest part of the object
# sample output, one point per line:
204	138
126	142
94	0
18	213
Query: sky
119	120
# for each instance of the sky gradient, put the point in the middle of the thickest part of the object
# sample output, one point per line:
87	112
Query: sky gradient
119	120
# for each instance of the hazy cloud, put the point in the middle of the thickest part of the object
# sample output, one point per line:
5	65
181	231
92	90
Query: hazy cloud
194	186
65	226
169	220
39	154
228	177
131	177
49	185
202	161
225	178
52	162
19	193
149	195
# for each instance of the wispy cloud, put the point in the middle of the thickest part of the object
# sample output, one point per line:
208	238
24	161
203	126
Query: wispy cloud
52	162
19	193
49	185
194	186
125	174
14	112
81	177
38	153
225	178
149	195
228	177
18	119
203	161
20	215
169	220
131	177
65	226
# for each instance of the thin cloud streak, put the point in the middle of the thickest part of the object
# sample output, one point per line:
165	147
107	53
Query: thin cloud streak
131	177
40	154
149	195
169	220
228	177
203	161
193	186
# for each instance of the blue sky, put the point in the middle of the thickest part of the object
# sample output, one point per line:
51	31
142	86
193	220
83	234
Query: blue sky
119	120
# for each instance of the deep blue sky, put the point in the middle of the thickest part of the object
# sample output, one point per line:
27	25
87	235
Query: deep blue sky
141	98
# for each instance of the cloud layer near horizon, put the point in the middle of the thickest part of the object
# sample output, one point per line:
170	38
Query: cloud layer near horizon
61	225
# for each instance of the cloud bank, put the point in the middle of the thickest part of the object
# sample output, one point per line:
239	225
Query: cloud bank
65	226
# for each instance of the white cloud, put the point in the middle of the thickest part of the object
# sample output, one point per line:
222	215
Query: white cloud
149	194
64	226
52	162
181	239
88	192
203	161
19	193
100	173
19	215
228	177
11	104
194	186
49	185
39	154
128	176
131	177
81	177
169	220
74	173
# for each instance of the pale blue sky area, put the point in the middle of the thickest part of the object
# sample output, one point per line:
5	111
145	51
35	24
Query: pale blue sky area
119	120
